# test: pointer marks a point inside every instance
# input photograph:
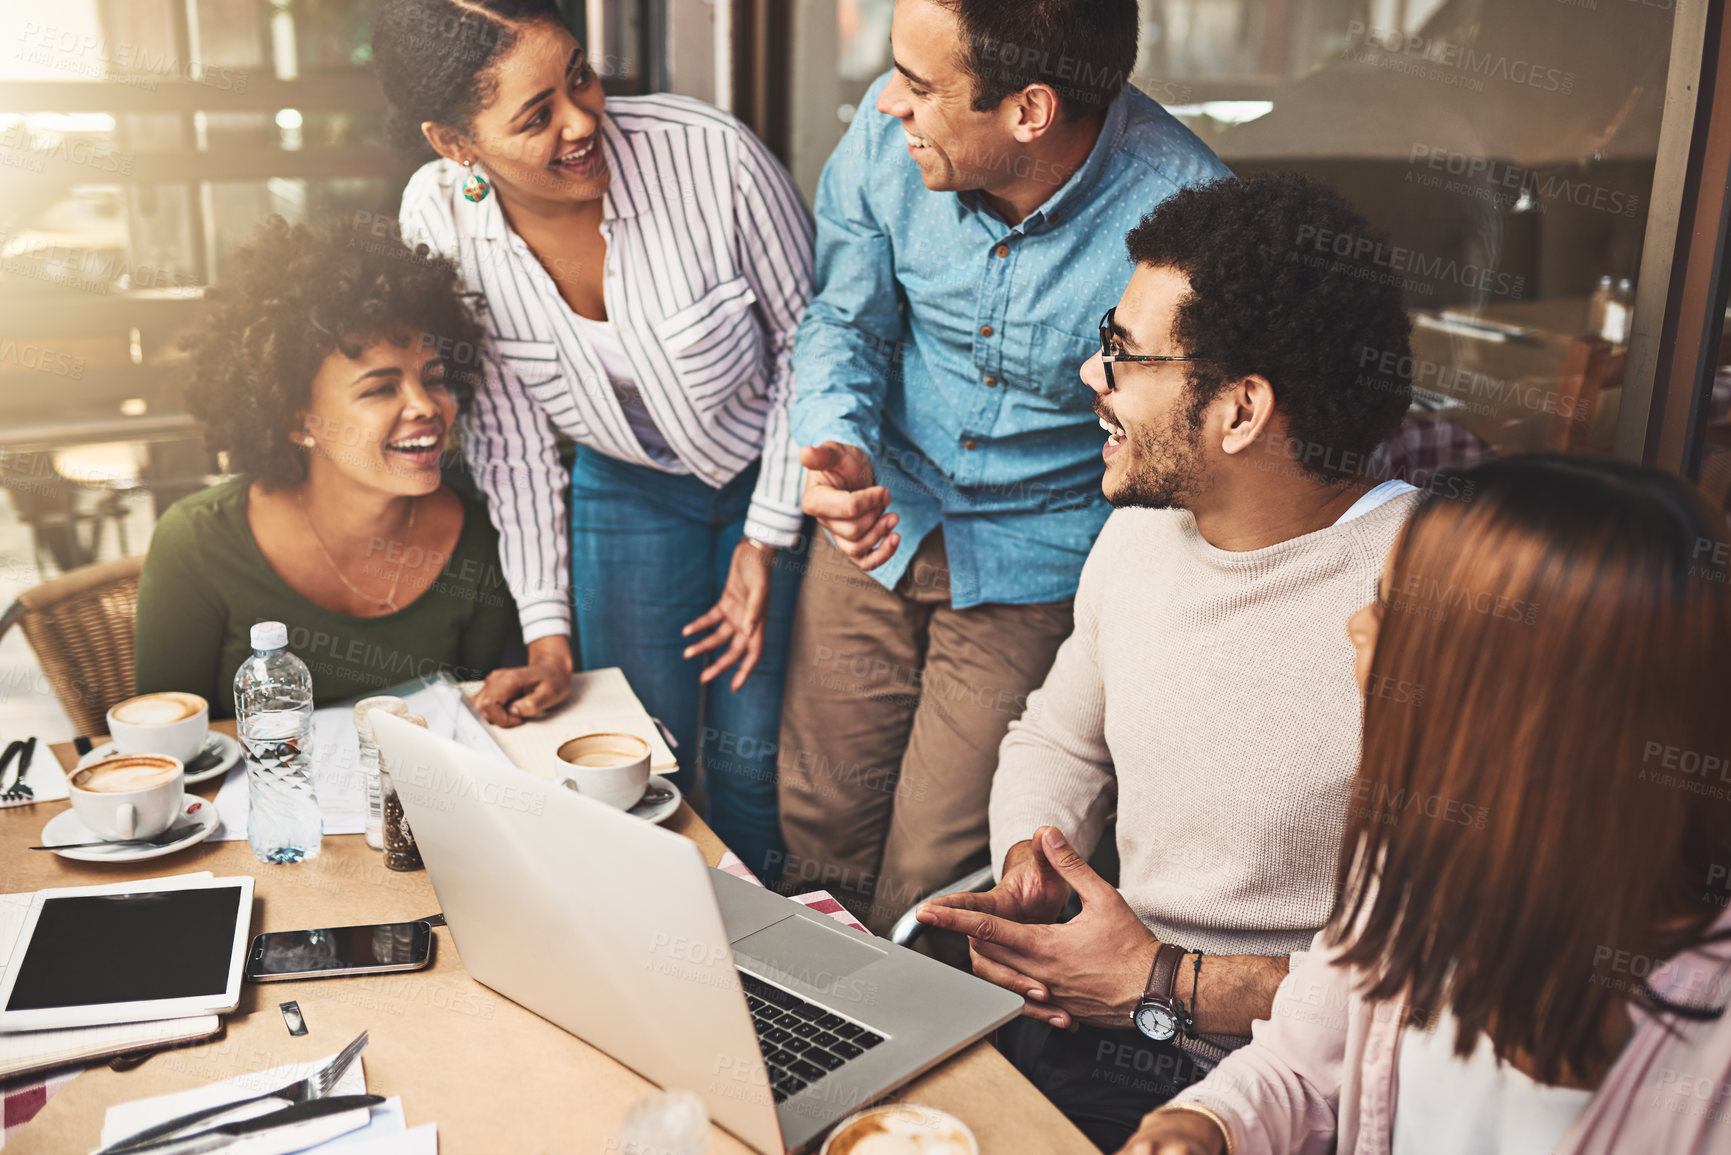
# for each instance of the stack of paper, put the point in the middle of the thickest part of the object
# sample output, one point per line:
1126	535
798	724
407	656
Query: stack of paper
336	761
601	701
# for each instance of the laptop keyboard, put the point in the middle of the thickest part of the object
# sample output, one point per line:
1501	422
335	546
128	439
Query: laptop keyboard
801	1042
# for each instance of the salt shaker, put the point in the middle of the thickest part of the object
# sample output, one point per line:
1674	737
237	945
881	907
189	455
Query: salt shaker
401	853
370	760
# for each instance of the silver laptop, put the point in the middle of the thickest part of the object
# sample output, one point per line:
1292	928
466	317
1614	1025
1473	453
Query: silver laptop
780	1019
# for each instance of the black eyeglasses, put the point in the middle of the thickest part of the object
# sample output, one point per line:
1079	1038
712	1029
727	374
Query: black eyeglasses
1107	357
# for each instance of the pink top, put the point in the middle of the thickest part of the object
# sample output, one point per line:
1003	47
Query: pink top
1320	1075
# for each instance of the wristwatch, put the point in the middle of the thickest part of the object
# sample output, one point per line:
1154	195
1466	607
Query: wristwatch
1159	1014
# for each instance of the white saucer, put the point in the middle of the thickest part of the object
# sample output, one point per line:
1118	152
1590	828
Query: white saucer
659	812
66	827
226	749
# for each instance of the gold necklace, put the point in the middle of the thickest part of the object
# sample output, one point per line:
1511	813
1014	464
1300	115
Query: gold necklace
389	605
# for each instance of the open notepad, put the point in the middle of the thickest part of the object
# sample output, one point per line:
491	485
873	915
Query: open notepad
601	701
22	1051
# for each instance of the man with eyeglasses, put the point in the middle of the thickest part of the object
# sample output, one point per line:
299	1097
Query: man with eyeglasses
1207	694
965	224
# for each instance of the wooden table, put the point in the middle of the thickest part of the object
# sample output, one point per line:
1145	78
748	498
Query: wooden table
493	1076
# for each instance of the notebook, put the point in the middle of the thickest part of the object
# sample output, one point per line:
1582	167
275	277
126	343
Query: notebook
25	1051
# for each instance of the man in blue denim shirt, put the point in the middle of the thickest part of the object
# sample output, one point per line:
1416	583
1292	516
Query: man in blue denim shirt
966	230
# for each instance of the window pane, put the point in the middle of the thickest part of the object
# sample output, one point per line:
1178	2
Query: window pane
114	219
1508	150
1506	147
330	36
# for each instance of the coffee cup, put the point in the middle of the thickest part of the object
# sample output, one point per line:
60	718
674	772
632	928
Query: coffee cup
129	795
170	722
901	1129
610	768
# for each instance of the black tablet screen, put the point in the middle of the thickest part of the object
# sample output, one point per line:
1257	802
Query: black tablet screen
122	948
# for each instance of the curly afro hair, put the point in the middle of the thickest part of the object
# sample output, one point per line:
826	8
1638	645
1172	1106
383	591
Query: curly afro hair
437	61
1269	296
295	294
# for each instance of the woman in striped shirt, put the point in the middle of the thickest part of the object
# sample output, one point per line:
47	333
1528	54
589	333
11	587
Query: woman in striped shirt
644	263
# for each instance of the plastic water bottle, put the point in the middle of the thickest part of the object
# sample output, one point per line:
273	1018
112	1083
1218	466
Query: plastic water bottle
273	710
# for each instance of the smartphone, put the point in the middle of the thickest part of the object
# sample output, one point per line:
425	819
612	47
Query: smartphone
339	950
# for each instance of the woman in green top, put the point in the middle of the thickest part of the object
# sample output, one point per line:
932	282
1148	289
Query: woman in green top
330	371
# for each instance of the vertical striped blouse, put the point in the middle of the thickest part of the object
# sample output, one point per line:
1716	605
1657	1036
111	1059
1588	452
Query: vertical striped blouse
709	268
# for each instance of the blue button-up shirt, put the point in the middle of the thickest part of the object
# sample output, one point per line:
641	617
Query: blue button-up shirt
946	344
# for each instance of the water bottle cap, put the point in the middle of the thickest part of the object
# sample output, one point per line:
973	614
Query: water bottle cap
269	636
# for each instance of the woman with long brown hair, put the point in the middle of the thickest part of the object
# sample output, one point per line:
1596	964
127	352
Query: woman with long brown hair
1530	949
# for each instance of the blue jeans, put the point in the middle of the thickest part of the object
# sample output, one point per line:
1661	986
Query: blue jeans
650	551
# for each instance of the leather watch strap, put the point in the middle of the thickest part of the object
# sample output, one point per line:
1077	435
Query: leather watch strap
1163	976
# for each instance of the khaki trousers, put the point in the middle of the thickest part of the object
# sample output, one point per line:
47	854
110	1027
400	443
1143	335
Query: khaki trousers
894	707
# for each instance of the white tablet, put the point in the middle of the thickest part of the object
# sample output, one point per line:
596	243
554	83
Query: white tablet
128	952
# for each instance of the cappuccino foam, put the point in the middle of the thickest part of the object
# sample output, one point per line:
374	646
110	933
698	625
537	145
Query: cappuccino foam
889	1131
605	759
158	709
603	751
125	773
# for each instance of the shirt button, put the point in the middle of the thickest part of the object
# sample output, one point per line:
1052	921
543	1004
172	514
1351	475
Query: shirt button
1002	250
968	444
991	380
985	330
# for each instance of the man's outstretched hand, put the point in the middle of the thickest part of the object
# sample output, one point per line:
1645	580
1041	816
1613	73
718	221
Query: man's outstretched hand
840	493
1030	891
1088	970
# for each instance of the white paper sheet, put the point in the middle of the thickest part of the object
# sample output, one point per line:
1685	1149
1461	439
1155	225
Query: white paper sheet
46	780
387	1122
422	1140
337	780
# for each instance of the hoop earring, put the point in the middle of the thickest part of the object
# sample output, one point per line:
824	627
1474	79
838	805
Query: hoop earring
477	186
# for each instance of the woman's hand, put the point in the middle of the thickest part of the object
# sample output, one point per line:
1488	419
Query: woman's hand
738	617
1176	1132
511	696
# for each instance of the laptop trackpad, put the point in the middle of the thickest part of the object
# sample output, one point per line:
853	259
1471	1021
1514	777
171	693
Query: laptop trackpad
808	951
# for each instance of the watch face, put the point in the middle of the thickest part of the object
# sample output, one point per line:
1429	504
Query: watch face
1157	1022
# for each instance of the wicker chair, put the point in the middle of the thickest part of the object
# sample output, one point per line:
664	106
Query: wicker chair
80	625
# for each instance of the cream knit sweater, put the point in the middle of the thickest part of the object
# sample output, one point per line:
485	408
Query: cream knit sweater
1209	698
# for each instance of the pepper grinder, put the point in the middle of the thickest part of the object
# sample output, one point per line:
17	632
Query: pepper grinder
401	853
